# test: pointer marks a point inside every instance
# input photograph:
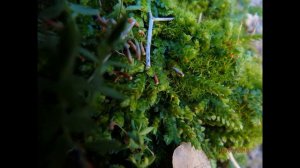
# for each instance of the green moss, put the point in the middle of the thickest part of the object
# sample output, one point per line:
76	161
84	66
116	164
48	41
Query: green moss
215	105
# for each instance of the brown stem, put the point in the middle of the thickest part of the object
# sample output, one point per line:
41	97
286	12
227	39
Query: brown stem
138	50
142	49
128	54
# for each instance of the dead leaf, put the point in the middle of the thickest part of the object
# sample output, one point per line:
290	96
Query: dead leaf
186	156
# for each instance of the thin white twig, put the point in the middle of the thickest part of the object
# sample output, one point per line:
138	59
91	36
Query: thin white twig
256	23
119	53
149	36
240	29
100	4
106	58
200	17
150	150
232	159
124	34
162	19
180	73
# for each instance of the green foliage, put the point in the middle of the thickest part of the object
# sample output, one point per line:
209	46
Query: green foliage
93	99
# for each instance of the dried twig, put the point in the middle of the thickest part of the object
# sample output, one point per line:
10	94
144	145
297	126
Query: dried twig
240	29
106	57
156	81
124	34
119	53
180	73
232	159
100	4
149	36
200	17
132	45
162	19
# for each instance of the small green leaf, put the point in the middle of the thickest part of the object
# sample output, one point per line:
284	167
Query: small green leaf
132	159
151	159
224	139
150	72
213	163
232	124
133	144
146	131
167	139
202	129
241	127
223	121
147	139
125	103
133	124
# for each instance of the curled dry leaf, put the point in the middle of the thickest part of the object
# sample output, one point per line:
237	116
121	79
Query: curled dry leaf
132	45
186	156
156	79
